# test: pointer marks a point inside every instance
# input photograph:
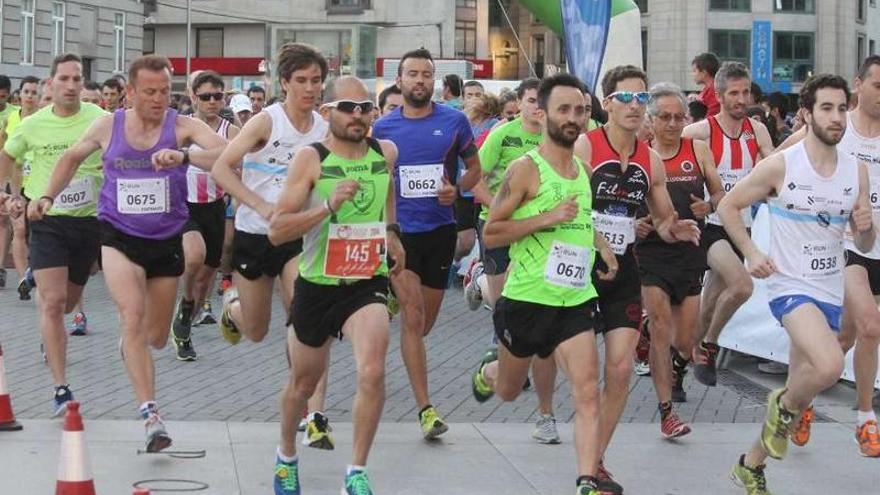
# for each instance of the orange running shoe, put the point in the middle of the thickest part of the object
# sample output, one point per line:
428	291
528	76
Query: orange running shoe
801	434
868	439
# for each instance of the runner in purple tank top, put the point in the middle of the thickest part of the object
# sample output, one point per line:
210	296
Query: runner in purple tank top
142	210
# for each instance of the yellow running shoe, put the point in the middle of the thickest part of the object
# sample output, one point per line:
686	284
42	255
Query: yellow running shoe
432	424
227	326
774	434
318	432
752	479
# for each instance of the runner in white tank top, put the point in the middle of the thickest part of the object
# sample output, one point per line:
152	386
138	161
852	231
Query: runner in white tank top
204	231
813	191
264	148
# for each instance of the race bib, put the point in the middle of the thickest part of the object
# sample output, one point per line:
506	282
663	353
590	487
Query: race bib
730	178
821	259
420	181
618	231
77	194
568	266
142	196
354	250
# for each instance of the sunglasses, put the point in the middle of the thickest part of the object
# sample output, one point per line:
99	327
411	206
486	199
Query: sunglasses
207	96
348	106
641	97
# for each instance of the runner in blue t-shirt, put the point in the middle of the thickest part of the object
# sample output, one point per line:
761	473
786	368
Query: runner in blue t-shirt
430	139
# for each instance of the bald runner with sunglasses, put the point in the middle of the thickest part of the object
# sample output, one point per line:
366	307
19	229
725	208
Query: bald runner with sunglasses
626	175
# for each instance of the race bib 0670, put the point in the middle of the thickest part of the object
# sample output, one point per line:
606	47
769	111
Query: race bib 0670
568	266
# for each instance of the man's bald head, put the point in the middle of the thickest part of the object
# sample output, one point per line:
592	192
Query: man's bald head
346	88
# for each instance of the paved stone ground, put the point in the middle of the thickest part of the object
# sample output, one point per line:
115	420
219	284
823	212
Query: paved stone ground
242	383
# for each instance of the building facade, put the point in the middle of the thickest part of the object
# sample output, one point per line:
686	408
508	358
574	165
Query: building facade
106	34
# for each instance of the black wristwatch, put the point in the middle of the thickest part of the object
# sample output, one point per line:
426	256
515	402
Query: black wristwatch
393	227
185	160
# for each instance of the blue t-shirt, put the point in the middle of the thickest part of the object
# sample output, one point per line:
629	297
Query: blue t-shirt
428	148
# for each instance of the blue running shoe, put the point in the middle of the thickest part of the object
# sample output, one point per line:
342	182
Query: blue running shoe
286	477
357	483
63	395
79	326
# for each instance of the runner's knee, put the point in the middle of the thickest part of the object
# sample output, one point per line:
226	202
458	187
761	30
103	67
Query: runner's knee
618	371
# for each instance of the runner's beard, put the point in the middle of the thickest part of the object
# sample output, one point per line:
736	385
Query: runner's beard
349	132
417	101
825	136
557	133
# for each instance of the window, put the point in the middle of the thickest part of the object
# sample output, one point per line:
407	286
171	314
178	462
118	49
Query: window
861	48
58	38
539	49
737	5
643	6
347	6
465	39
472	4
88	65
209	42
645	49
795	6
861	14
28	8
730	45
792	56
119	42
149	41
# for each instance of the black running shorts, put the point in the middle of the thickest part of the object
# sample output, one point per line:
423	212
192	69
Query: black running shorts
208	219
677	283
713	233
158	257
526	328
253	256
429	254
63	241
319	312
620	300
465	214
871	266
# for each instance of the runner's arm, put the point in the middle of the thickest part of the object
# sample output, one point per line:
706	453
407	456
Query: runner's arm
663	215
70	161
289	221
472	173
500	230
490	156
863	235
257	130
710	173
201	134
762	182
697	131
584	150
765	144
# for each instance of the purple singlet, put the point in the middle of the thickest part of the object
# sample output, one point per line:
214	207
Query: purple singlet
135	198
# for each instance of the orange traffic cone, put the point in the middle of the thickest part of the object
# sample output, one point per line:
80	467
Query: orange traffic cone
7	418
74	469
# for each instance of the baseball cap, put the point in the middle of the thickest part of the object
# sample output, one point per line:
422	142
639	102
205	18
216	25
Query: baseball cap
240	103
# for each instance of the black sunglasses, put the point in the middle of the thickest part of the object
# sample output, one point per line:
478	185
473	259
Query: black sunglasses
207	96
348	106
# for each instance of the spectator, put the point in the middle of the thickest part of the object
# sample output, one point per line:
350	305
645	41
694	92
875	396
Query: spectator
241	107
473	89
779	111
111	93
509	105
389	99
257	95
451	92
704	66
481	111
697	111
91	93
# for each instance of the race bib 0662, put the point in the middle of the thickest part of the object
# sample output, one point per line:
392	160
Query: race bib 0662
420	181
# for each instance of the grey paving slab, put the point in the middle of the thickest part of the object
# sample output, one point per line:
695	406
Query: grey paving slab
474	459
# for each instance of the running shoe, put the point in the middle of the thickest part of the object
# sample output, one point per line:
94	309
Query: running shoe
183	349
26	285
545	430
63	395
587	485
357	483
679	369
752	479
181	327
227	327
773	368
642	368
432	424
157	436
318	432
481	390
774	434
606	484
79	326
286	480
801	433
206	316
643	348
704	363
868	439
225	283
472	292
673	427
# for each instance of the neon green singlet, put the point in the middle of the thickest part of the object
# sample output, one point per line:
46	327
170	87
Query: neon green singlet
552	266
350	244
503	145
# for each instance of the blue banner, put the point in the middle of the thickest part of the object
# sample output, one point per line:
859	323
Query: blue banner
585	24
762	54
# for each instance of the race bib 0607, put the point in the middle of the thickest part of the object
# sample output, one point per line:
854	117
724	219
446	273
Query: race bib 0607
354	250
568	266
420	181
618	231
77	194
142	196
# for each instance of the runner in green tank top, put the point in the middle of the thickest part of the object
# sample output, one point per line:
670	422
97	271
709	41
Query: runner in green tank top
339	197
543	211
